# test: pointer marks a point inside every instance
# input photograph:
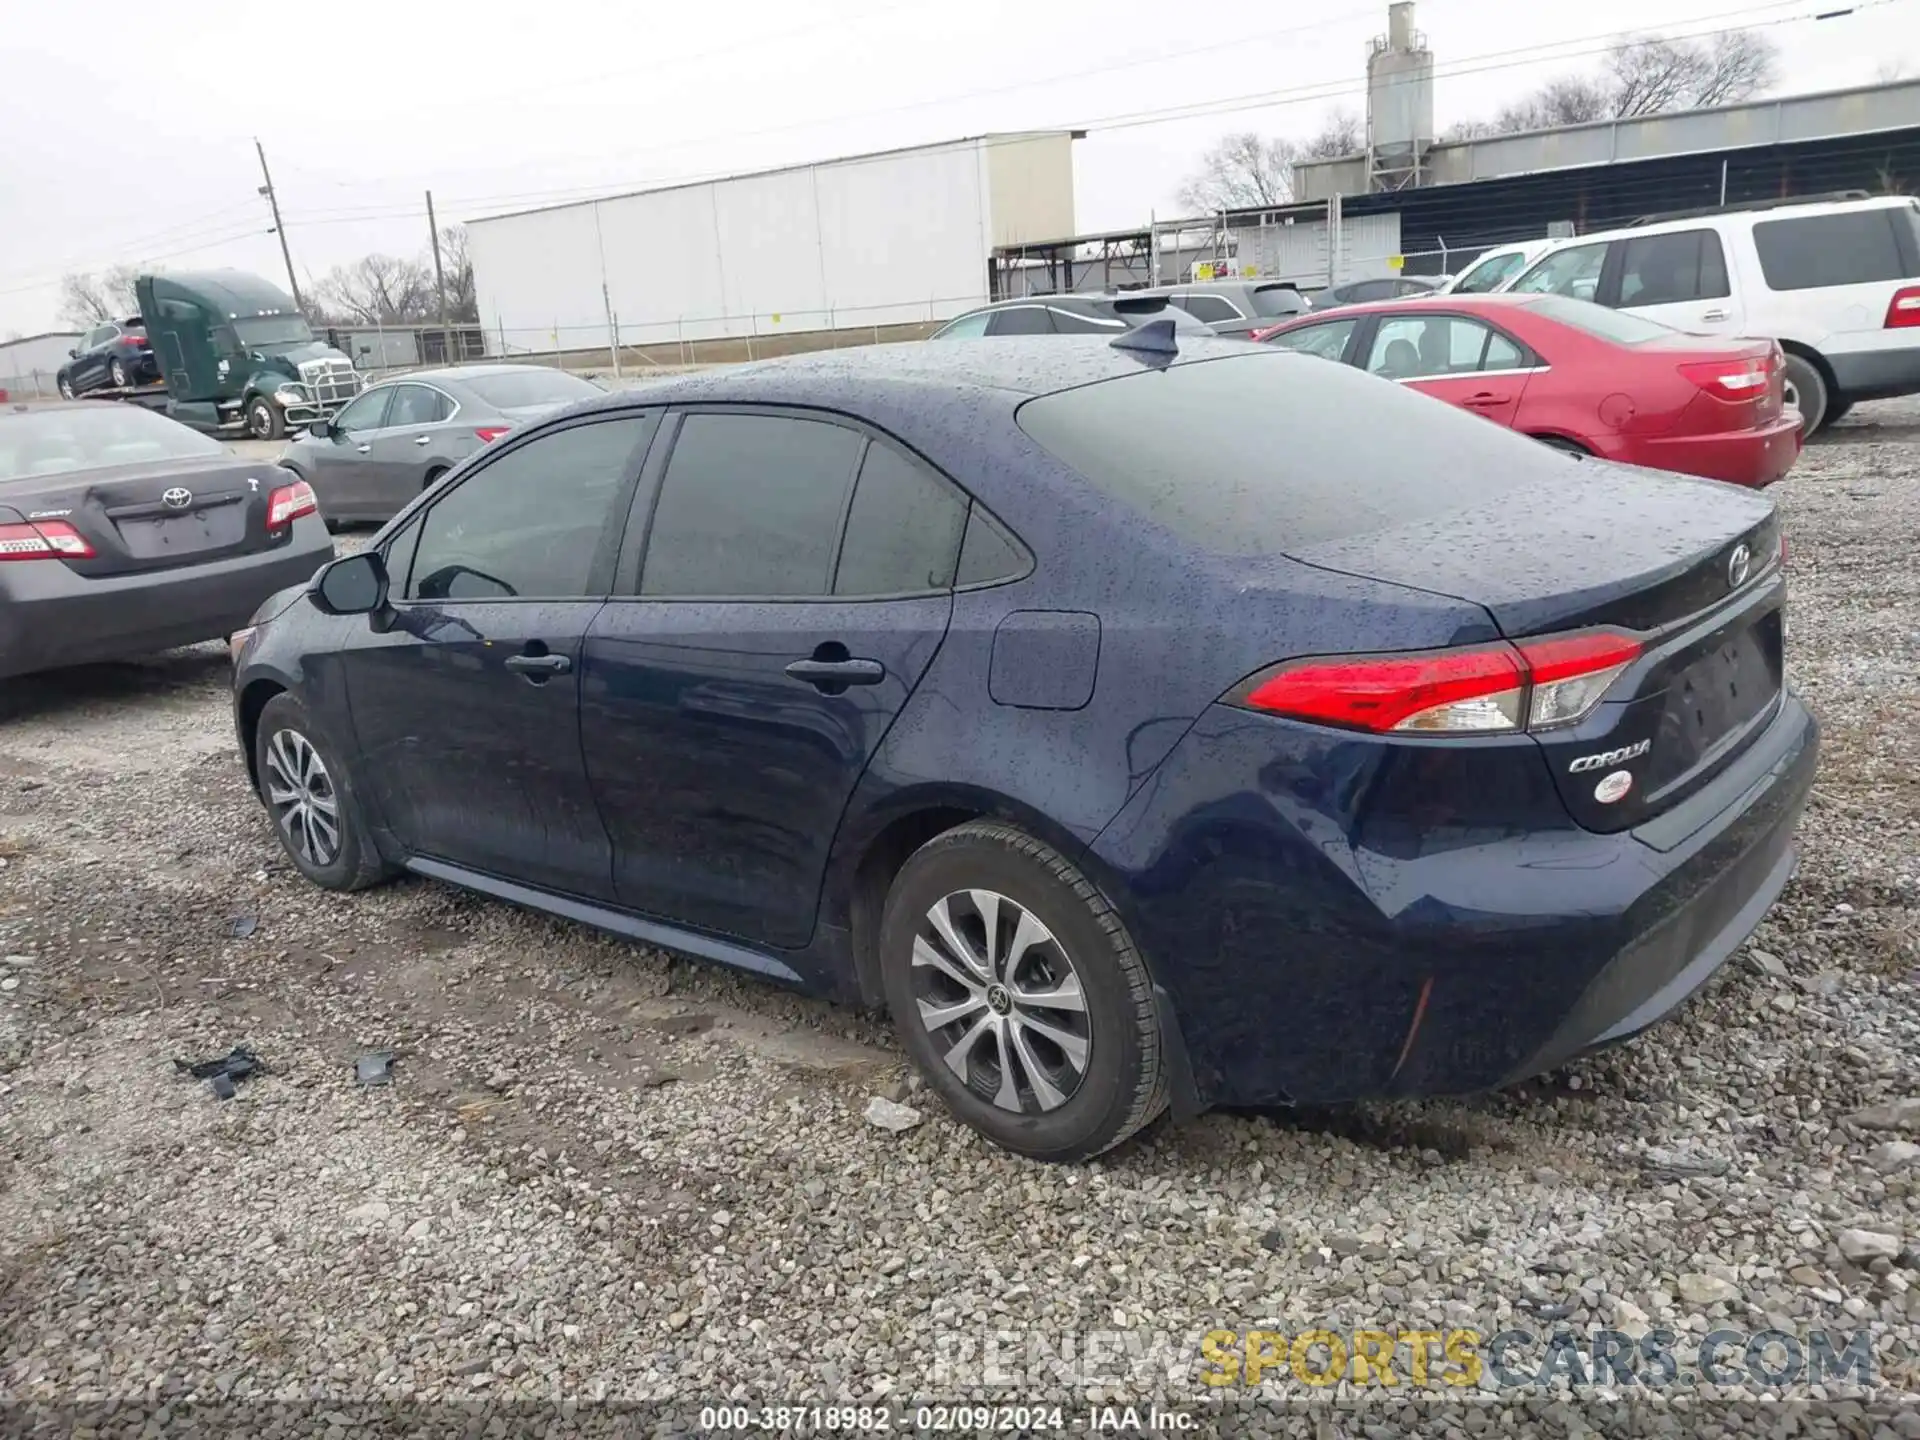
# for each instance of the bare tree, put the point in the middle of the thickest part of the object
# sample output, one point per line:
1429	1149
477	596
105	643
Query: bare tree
462	303
377	290
87	300
1240	172
1570	100
1740	65
1343	134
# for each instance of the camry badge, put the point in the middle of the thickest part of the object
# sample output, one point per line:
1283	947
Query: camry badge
1739	566
178	498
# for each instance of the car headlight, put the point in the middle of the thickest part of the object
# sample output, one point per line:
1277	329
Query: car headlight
290	395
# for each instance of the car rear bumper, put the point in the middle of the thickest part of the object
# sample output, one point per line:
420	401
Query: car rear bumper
1754	458
51	617
1309	962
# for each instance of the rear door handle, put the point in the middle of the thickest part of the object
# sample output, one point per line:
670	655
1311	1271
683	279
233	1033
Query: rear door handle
423	439
363	449
1714	315
1487	397
539	666
838	674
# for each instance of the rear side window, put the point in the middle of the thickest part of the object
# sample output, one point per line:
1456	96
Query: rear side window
750	506
1021	320
1210	309
1853	247
966	327
1069	323
1672	269
903	532
988	554
1254	454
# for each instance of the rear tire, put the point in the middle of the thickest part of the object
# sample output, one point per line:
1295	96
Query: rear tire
117	372
433	479
312	801
1836	409
1057	1081
1807	390
265	420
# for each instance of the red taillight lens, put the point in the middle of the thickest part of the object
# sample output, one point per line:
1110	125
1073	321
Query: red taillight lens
43	540
1531	685
1730	379
1904	309
288	503
491	433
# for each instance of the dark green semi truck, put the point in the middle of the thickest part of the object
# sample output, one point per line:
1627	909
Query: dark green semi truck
236	356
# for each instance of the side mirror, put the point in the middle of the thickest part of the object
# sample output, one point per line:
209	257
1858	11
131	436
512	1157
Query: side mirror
320	429
354	585
73	354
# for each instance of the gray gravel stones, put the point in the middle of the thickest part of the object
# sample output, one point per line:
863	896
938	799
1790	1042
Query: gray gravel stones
528	1211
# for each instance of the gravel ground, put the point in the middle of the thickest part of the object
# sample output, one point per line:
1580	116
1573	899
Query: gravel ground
603	1175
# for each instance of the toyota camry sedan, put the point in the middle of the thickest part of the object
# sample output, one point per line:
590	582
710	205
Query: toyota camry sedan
1136	729
124	532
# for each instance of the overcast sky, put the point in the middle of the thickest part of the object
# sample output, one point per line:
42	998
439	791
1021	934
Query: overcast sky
129	129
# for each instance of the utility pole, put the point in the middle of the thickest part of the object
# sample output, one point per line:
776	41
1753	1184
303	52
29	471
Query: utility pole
440	282
273	203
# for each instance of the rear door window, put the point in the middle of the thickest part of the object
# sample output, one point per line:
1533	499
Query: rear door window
417	405
1328	339
1851	247
750	506
1424	347
903	532
1672	269
1021	320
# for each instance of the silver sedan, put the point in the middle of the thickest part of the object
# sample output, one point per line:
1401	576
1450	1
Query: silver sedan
400	436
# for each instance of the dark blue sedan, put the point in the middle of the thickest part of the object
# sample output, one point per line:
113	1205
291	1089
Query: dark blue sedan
1142	729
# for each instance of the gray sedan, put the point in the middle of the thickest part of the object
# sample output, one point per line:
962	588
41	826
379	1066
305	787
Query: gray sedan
402	435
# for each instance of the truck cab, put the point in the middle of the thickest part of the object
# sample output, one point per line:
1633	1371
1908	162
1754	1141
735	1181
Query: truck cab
238	357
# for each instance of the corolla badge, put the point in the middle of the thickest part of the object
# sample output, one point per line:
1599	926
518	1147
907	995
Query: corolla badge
1613	787
1739	566
1609	757
178	498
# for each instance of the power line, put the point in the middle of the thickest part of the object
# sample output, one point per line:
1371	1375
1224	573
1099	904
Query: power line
54	278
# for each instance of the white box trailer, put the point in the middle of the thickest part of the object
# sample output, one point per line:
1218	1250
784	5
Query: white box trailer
871	240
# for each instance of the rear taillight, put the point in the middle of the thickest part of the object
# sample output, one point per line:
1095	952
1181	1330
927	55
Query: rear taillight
288	503
491	433
1904	309
43	540
1730	379
1528	685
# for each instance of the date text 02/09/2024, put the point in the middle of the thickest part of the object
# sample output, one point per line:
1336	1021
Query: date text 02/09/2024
957	1419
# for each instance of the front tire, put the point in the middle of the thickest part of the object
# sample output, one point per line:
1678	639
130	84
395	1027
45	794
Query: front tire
312	801
265	420
1020	995
64	386
1807	391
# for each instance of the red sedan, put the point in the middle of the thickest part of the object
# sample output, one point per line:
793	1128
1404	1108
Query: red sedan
1578	376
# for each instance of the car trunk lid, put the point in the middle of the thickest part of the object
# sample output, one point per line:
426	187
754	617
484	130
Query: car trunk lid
156	516
1690	568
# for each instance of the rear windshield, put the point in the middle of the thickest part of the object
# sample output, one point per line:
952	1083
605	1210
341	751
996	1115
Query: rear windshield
1614	325
1262	453
51	442
1849	247
1275	300
530	387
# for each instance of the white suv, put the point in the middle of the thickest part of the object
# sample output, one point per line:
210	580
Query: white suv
1836	282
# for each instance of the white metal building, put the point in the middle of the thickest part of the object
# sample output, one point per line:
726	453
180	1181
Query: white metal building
892	238
28	365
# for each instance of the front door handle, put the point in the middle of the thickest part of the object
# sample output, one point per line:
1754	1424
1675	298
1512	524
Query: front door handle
364	449
1487	397
834	676
1714	315
423	439
539	667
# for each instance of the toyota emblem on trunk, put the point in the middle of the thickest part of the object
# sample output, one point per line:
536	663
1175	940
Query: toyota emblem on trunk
178	498
1738	565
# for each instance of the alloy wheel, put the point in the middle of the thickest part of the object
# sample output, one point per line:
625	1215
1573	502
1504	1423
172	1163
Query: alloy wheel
301	795
1002	1001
